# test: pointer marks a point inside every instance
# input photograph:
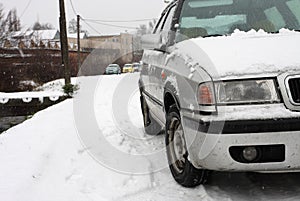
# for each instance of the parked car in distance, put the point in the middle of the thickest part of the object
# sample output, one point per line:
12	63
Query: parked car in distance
136	67
128	68
222	79
113	69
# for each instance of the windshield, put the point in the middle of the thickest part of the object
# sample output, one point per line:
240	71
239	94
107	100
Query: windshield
112	67
221	17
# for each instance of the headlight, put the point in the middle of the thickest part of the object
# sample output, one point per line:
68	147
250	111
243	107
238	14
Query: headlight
246	91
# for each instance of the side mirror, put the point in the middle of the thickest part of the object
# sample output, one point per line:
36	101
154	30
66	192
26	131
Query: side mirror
151	41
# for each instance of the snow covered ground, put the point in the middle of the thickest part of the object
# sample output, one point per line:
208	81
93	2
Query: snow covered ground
93	147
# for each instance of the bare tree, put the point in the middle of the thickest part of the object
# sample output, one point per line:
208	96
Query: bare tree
142	30
39	26
8	24
72	26
12	21
2	23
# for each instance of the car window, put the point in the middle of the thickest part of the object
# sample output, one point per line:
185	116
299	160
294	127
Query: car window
203	18
275	17
167	25
294	6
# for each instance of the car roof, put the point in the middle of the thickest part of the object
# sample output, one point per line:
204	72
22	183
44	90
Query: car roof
113	64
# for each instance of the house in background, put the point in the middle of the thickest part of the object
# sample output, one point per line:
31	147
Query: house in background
34	39
104	49
123	42
72	39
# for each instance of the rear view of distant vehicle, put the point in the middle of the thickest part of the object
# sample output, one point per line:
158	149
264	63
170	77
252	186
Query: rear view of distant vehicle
128	68
136	67
113	69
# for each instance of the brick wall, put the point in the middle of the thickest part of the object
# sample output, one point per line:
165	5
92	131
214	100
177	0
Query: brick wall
37	65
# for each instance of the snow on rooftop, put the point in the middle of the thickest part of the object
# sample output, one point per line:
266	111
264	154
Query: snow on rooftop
74	35
37	34
45	34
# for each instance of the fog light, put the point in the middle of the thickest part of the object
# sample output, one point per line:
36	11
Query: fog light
250	153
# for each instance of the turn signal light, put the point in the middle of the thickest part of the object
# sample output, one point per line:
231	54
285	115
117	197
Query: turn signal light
206	95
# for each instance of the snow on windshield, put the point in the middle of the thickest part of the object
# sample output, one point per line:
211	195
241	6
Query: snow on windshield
201	19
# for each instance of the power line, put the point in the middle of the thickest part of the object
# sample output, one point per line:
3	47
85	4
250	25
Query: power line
121	21
73	8
25	9
75	13
108	21
113	25
91	27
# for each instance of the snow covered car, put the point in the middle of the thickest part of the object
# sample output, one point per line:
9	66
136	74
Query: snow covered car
222	78
113	69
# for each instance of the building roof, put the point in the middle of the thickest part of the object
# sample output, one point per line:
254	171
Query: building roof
109	35
46	34
74	35
37	34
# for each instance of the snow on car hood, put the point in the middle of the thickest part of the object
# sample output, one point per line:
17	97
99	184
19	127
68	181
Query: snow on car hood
244	53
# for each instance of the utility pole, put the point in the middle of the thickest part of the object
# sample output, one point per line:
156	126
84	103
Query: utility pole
64	42
78	41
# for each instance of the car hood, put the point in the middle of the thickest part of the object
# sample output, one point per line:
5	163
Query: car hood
111	68
244	53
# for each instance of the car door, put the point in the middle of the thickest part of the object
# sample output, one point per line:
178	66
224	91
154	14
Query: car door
158	76
153	65
159	71
148	63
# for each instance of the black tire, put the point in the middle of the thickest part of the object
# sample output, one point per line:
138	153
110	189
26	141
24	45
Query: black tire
152	127
181	168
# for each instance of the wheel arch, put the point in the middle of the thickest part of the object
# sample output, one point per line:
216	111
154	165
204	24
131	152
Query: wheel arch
170	97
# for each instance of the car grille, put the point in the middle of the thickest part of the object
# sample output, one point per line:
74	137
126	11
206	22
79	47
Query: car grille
294	87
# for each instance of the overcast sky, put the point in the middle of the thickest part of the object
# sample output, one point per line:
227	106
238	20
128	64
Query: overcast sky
47	11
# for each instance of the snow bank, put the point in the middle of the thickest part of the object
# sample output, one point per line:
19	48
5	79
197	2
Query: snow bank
56	85
44	158
40	94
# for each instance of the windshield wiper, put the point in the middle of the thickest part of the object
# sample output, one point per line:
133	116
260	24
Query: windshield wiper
213	35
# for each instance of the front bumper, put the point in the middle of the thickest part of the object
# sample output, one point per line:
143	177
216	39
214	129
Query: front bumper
127	70
209	143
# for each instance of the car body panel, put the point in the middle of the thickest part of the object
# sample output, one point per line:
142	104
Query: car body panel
178	68
128	68
113	69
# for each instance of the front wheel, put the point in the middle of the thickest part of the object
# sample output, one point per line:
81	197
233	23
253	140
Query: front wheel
181	168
